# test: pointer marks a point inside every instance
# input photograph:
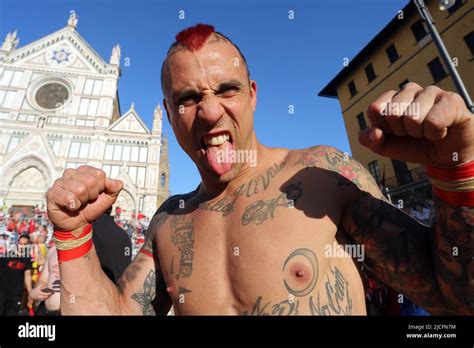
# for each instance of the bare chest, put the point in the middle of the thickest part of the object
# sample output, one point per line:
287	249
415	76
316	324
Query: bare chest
262	254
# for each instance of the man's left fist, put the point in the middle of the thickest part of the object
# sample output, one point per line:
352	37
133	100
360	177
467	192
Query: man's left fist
421	125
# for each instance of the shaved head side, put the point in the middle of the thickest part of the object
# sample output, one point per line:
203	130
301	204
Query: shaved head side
193	39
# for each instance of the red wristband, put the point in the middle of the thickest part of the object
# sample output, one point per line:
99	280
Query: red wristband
147	253
465	171
462	199
76	252
66	235
457	175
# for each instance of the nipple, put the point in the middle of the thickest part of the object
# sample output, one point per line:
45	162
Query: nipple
300	272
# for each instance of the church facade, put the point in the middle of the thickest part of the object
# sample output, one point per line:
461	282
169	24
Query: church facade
59	109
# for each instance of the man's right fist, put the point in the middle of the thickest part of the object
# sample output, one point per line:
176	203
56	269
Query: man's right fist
80	196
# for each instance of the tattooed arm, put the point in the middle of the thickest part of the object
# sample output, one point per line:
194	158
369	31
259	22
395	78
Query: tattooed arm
416	260
142	286
140	290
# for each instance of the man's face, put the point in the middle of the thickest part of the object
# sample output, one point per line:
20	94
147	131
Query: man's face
22	245
210	105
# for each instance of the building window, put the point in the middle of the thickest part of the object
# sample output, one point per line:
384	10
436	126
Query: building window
84	123
88	107
374	170
403	83
419	30
111	170
361	120
4	116
163	180
469	40
92	87
55	144
352	88
370	72
26	118
57	120
134	153
126	153
437	70
117	153
79	149
11	78
137	174
6	98
143	154
14	141
392	53
456	6
52	95
74	165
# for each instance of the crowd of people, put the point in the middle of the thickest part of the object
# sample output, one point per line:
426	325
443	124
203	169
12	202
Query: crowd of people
29	269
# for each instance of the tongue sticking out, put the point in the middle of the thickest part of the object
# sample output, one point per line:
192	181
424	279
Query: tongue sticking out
219	157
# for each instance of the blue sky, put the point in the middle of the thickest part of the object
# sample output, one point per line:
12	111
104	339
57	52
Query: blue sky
291	60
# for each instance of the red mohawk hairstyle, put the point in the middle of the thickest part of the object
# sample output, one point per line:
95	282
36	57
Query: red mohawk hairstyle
193	38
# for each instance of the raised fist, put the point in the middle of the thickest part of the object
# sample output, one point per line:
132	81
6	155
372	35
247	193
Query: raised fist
80	196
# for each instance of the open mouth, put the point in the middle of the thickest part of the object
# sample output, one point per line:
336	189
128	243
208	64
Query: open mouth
216	148
216	139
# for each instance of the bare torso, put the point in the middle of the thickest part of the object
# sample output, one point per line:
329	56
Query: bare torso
262	248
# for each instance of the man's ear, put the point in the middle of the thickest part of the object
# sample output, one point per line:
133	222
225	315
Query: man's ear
253	93
166	108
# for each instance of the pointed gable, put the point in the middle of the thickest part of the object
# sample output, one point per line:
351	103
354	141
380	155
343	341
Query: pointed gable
129	122
63	49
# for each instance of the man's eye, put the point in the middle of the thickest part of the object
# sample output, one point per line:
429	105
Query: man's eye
189	100
229	92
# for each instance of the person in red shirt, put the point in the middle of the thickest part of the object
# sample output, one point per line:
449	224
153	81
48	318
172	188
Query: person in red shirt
118	211
22	227
32	226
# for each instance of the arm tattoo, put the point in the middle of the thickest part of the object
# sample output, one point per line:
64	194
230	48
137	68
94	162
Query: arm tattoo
182	236
259	211
454	261
146	297
397	248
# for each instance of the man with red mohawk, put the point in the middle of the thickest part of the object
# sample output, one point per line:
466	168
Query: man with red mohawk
286	236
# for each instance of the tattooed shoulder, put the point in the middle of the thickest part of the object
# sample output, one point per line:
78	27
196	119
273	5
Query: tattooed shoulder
346	169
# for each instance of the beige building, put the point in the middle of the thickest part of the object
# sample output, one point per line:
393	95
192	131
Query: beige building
403	51
59	108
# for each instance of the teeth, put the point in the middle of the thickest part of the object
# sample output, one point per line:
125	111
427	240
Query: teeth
218	140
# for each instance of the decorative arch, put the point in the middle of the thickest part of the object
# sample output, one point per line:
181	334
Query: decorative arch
25	163
27	182
125	201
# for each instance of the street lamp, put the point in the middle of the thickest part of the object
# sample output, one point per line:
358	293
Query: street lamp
426	17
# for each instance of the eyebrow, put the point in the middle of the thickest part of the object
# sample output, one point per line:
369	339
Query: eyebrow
191	92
